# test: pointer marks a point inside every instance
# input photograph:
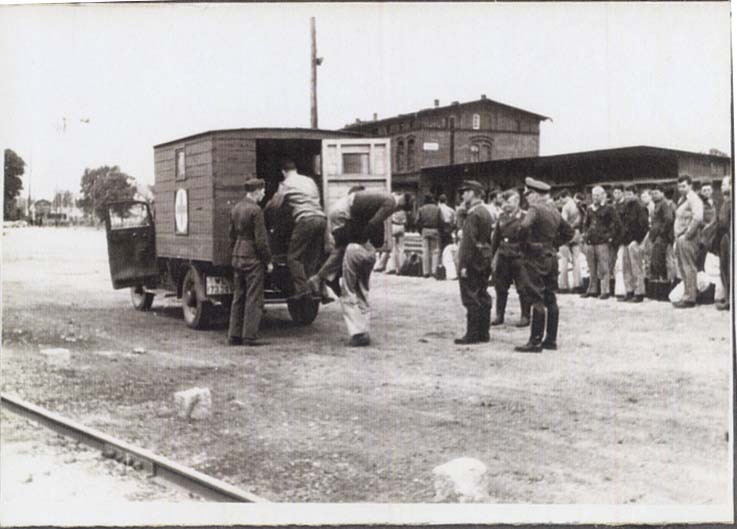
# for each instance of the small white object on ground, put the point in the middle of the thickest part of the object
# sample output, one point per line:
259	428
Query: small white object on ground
462	480
194	403
57	356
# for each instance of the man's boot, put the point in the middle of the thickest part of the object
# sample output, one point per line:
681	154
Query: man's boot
501	306
534	345
524	318
551	329
472	331
484	319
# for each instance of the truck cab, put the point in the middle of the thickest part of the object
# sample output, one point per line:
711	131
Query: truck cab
180	246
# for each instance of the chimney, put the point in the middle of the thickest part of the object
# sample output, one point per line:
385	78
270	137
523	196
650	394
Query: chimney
358	120
376	116
483	96
437	103
454	103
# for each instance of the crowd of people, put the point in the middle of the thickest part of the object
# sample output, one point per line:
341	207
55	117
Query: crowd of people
657	240
532	239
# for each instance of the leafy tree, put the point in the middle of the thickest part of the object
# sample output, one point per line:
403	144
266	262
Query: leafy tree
103	185
14	168
63	199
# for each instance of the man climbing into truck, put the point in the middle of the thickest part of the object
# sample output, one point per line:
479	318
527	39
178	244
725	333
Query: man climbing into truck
306	244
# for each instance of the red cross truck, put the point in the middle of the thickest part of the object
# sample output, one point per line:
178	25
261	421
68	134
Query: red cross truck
179	244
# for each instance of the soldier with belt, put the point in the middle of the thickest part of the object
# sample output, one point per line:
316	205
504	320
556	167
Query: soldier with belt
474	264
539	232
250	256
506	247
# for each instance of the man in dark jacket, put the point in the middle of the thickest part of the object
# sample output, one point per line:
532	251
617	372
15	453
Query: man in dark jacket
601	229
635	225
429	221
507	254
723	241
710	216
618	205
661	233
250	256
474	264
539	234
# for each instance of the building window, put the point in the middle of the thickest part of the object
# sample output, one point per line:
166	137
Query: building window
179	166
474	153
400	155
410	154
486	152
443	123
452	122
476	122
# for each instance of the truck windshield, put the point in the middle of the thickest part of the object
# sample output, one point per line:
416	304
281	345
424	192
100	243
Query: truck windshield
124	216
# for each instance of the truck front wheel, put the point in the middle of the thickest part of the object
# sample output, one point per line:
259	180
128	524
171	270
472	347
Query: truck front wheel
195	310
140	299
303	311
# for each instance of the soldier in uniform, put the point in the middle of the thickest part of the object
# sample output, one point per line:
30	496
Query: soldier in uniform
505	246
250	256
474	264
539	233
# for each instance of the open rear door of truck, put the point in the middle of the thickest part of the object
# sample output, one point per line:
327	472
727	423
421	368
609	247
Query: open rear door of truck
356	161
131	244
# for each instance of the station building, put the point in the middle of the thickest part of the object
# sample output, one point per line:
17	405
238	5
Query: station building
460	133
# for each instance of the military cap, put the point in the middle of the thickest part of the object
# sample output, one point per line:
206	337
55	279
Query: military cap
472	184
536	185
254	184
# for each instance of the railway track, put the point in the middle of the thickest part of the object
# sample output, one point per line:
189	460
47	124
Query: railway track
178	475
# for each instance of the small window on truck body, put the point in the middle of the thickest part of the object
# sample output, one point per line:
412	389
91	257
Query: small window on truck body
356	163
179	166
124	216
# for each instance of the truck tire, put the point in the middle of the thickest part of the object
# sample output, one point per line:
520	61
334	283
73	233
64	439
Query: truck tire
140	299
195	310
303	311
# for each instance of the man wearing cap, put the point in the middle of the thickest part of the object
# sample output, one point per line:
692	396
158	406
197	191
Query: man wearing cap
250	256
300	192
474	264
539	233
507	256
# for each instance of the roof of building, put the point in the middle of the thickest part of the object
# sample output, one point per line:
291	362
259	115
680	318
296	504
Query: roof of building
600	154
439	109
265	131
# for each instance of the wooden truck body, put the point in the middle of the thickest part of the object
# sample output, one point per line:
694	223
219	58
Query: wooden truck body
185	249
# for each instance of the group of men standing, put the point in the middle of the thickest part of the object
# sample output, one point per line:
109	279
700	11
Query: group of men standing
523	249
351	236
657	239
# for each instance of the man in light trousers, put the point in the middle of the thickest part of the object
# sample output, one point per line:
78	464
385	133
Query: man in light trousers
686	228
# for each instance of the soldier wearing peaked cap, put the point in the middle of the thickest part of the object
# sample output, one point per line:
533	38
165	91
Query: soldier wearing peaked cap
474	264
250	257
541	232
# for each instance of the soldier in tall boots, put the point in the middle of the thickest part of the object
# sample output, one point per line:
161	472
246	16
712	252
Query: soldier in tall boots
505	246
474	264
250	256
539	234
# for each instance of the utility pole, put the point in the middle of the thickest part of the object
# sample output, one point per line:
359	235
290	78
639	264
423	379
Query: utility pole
315	61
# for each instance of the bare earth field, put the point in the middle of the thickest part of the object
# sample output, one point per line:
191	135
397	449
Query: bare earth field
632	408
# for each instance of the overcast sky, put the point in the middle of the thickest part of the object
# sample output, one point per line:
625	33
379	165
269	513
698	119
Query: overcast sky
609	75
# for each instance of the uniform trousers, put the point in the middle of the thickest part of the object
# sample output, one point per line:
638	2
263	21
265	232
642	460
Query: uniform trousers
659	259
686	253
358	262
475	297
248	300
599	263
633	268
305	249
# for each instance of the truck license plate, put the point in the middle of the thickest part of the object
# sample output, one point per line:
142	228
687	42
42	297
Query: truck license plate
217	285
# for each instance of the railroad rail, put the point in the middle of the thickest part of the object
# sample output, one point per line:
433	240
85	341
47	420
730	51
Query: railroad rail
186	478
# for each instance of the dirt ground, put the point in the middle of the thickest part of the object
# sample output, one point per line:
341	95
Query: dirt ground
632	408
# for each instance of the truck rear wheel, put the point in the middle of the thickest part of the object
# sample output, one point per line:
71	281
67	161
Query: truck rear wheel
195	310
303	311
140	299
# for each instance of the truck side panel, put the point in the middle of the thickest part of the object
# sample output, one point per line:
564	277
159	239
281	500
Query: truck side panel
197	181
